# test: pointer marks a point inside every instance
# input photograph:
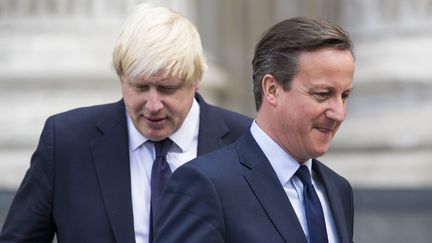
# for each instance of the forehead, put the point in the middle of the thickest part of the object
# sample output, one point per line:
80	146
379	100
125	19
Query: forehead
158	78
325	56
326	67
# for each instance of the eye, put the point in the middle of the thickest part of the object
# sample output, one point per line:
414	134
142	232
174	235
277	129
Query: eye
139	87
345	96
321	96
168	89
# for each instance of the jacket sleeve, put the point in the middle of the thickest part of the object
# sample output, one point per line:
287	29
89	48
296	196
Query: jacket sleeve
191	210
30	215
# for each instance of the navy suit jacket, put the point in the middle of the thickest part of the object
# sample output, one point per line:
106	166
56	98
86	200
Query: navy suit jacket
233	195
78	184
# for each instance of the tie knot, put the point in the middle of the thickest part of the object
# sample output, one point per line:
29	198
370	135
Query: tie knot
162	147
303	174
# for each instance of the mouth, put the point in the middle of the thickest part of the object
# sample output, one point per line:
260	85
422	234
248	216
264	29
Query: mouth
324	130
155	120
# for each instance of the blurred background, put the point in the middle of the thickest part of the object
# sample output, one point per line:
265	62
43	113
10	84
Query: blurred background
55	55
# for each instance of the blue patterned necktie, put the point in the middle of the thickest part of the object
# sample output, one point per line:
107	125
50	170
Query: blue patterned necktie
160	175
314	212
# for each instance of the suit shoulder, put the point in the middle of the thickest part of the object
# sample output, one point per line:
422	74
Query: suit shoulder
220	121
231	115
338	179
217	161
234	120
89	112
84	119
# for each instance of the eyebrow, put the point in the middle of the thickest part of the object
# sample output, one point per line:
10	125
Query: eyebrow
349	89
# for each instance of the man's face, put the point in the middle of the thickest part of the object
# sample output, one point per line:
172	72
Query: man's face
310	112
157	105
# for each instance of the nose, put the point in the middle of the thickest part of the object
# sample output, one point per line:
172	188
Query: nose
336	110
154	101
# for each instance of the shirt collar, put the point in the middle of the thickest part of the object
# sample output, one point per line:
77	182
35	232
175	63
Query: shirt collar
182	137
283	164
135	137
188	131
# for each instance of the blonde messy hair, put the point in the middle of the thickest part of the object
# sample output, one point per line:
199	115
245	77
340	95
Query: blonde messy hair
156	39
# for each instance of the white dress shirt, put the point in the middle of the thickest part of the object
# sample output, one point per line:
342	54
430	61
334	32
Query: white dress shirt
285	167
142	155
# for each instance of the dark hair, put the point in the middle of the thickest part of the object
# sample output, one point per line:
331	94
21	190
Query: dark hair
280	46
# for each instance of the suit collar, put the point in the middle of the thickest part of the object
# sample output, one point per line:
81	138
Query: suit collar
268	190
284	165
111	157
333	196
211	128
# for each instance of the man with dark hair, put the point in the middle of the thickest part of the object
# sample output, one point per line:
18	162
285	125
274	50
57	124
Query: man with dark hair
268	186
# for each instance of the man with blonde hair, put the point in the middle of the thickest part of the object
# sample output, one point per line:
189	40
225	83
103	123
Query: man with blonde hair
98	172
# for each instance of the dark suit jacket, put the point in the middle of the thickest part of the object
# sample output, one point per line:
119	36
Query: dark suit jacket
233	195
78	184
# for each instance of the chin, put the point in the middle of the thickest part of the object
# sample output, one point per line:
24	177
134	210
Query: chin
320	152
155	136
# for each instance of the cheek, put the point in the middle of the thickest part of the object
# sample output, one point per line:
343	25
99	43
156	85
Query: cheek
134	102
182	101
313	111
173	105
181	107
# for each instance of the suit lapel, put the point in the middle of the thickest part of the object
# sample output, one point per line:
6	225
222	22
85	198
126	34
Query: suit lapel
111	159
211	128
334	200
263	181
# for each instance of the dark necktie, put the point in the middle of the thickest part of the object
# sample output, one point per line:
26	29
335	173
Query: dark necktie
314	212
160	175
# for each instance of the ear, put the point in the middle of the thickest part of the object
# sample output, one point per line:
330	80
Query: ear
270	89
197	85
